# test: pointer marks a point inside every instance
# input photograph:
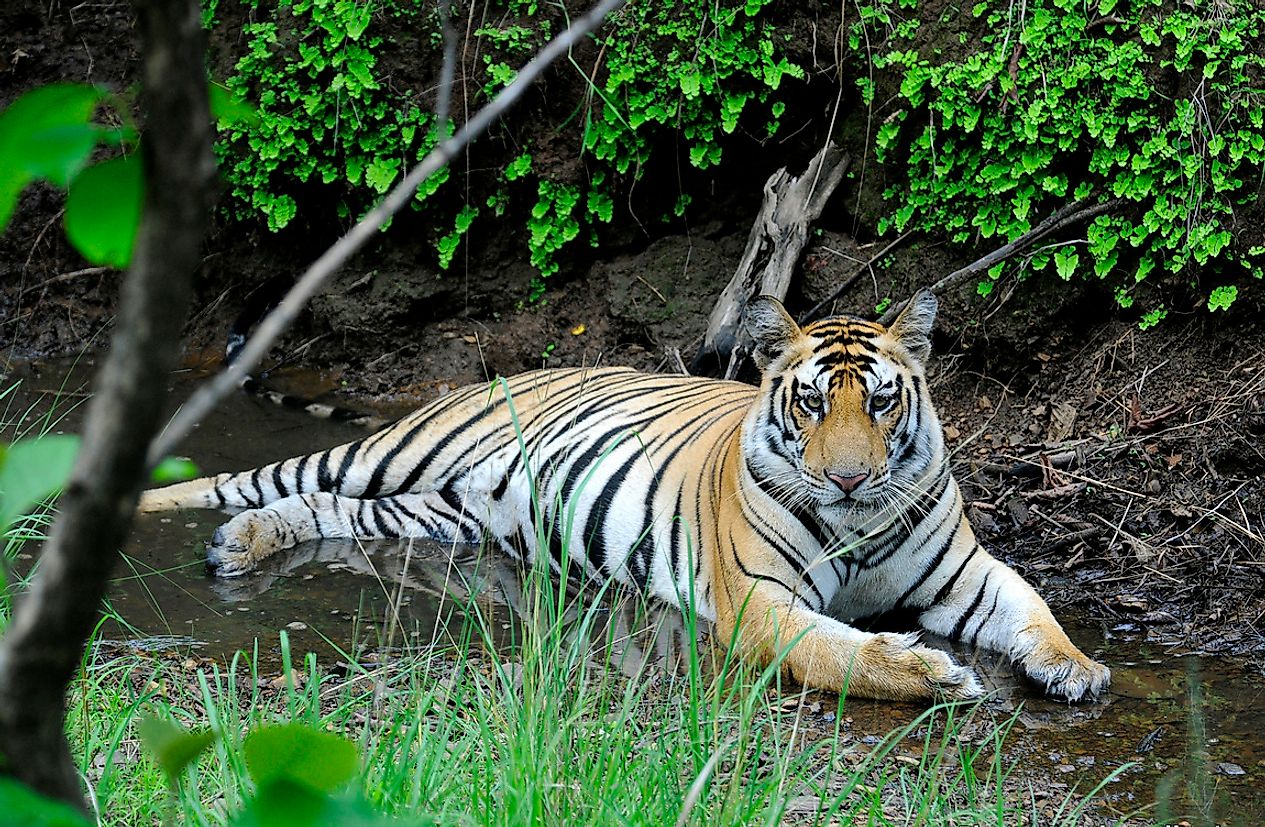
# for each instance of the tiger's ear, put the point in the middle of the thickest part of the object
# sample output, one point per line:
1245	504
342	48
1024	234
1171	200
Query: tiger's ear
912	328
770	327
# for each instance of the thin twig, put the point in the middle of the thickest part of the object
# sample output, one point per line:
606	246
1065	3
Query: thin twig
1067	214
850	280
276	322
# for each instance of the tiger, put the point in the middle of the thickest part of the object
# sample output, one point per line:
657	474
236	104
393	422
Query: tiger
783	513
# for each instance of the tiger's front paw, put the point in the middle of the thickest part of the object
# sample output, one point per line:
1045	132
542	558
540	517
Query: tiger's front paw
241	544
1066	675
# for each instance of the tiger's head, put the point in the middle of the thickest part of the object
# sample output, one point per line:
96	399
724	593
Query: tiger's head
843	420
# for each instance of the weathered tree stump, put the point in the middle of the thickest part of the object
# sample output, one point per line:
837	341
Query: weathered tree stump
791	205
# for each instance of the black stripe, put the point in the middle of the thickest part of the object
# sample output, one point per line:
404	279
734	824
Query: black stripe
734	552
932	566
299	473
278	482
345	466
948	584
987	617
499	491
966	615
254	481
324	482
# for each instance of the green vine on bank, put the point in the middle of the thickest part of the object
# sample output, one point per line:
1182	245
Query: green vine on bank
1067	99
328	118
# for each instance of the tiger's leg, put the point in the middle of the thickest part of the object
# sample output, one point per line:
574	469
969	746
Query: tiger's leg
992	606
763	618
245	541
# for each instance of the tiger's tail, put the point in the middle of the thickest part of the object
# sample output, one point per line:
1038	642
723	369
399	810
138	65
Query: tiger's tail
322	471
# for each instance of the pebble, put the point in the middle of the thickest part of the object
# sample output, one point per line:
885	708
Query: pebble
296	626
1228	768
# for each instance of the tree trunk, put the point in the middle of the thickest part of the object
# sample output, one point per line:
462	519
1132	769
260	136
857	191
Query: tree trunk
44	642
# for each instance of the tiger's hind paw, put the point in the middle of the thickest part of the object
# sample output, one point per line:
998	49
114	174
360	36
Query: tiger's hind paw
241	544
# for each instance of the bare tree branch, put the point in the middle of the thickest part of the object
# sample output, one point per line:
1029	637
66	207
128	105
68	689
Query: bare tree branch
1067	214
43	644
276	322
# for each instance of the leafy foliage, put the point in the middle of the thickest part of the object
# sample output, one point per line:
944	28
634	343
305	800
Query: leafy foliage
327	115
31	470
298	773
49	134
30	809
322	112
1066	99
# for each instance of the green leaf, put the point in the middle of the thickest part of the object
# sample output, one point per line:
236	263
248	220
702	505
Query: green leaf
380	173
12	182
172	747
1222	297
103	210
22	805
47	133
174	469
1065	261
318	760
284	803
226	108
32	469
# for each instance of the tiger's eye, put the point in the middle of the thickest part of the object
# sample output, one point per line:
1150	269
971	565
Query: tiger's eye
882	402
812	402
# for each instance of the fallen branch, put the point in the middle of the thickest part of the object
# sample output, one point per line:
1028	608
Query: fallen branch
276	322
778	236
1064	216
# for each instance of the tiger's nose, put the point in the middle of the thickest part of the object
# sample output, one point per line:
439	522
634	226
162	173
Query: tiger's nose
847	483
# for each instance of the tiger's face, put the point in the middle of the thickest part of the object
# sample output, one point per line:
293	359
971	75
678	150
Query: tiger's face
843	420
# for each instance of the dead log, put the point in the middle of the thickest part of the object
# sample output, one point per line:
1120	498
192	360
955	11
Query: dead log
778	236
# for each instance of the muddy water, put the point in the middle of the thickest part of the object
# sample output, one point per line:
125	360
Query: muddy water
1190	729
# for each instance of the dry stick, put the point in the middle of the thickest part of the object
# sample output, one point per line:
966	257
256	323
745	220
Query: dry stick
276	322
1067	214
447	72
850	280
43	644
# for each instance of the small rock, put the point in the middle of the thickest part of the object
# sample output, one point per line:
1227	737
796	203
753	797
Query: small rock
1065	768
296	626
1228	768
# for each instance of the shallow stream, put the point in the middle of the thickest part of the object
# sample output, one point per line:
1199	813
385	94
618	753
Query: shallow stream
1192	728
